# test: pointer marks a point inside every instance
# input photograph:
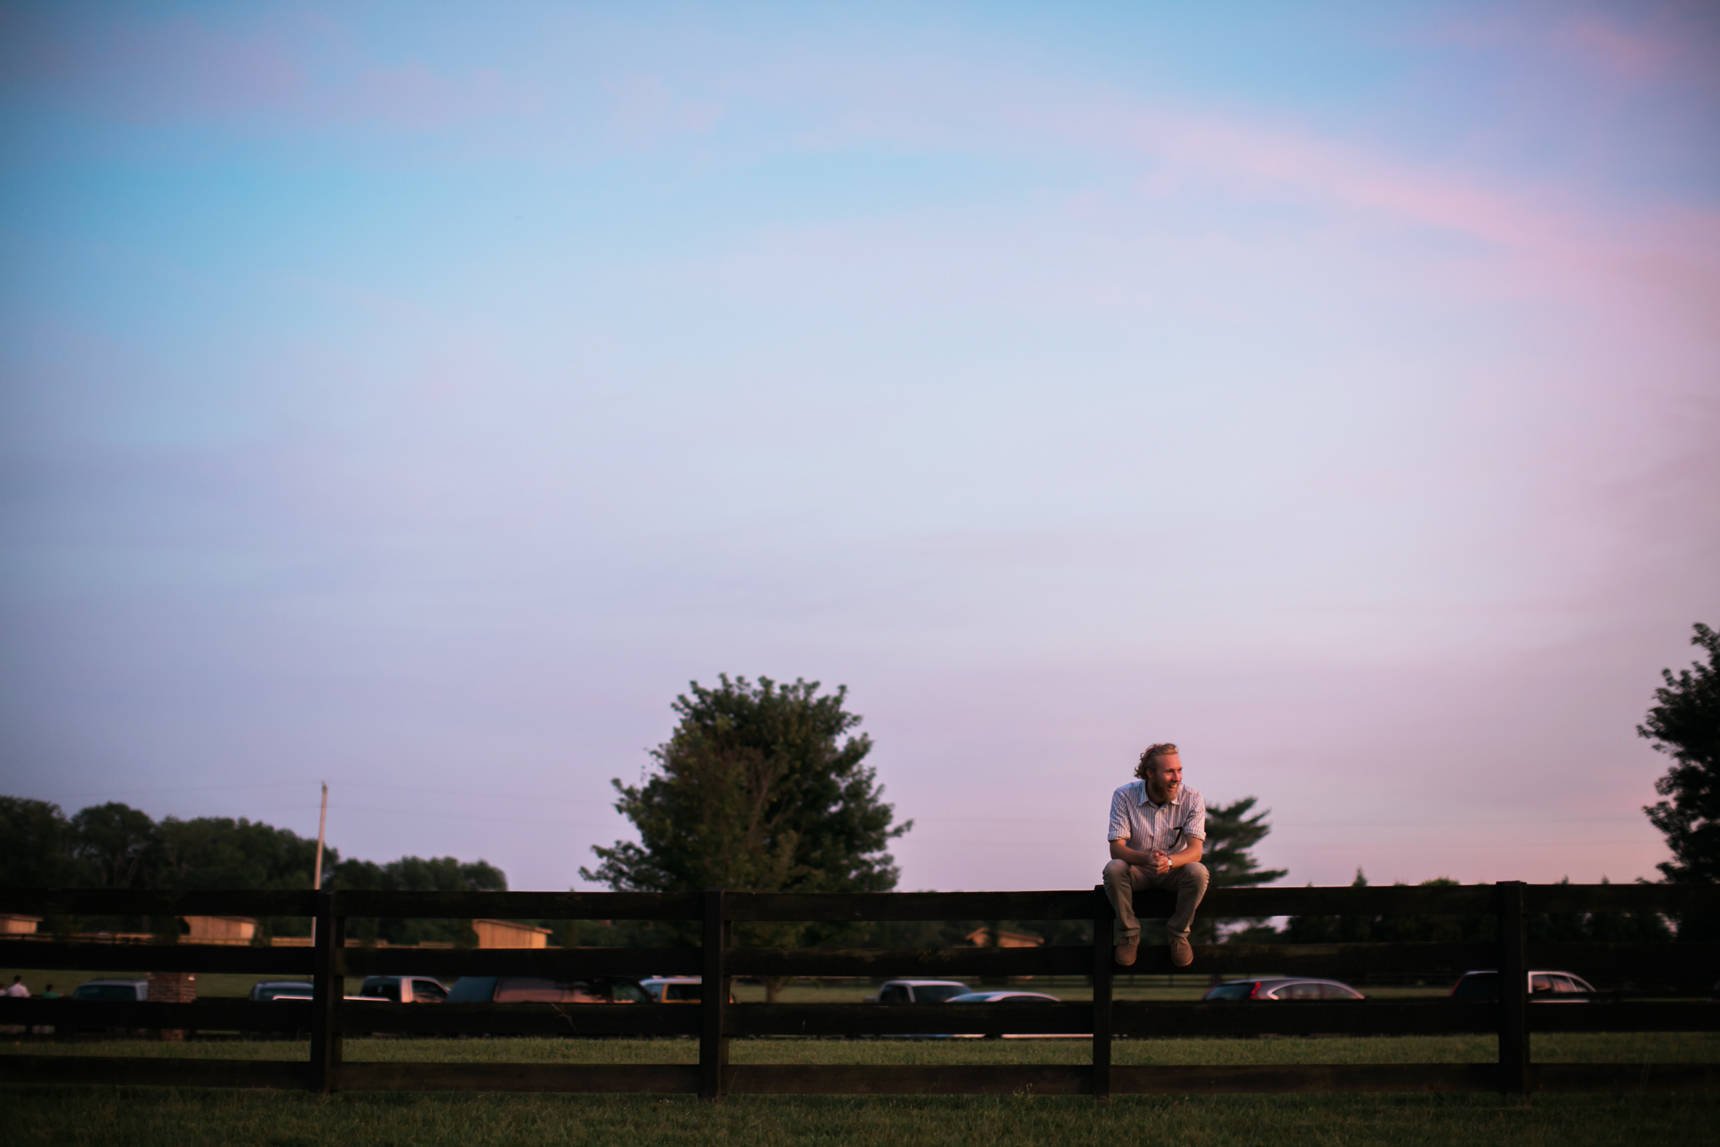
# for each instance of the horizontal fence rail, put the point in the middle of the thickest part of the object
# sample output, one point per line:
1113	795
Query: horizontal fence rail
328	1017
156	958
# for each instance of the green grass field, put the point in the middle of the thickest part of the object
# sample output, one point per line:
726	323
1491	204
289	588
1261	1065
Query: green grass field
168	1117
176	1117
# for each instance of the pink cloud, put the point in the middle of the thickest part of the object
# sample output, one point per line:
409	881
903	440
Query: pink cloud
1552	233
1260	160
947	105
307	72
1643	41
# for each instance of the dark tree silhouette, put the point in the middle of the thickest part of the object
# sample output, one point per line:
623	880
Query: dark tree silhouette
35	844
1685	725
1231	834
759	788
110	843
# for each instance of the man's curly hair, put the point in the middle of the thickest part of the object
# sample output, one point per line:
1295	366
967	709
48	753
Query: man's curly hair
1153	753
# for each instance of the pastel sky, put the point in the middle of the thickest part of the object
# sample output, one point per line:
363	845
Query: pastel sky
418	396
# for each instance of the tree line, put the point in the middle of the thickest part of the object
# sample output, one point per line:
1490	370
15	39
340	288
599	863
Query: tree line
1478	927
113	845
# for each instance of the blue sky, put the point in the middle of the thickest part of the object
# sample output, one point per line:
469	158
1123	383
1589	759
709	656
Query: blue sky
417	397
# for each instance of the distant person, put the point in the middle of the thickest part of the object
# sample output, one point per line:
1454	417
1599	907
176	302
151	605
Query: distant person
1157	830
48	993
21	992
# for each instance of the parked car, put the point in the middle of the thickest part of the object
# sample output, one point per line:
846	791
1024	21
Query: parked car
1545	987
538	990
918	991
265	990
1003	997
1008	998
673	989
109	990
1283	988
404	989
112	990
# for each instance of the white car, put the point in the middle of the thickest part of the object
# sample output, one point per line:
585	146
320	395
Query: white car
1006	998
404	989
1545	987
918	992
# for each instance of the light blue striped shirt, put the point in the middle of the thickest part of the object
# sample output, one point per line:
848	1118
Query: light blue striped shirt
1144	826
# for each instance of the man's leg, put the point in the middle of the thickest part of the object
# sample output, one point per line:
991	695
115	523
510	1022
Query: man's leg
1120	885
1189	882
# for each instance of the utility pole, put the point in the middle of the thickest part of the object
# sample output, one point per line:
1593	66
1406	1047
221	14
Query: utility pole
322	824
316	879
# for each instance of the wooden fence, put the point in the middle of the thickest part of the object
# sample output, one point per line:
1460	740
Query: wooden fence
1675	969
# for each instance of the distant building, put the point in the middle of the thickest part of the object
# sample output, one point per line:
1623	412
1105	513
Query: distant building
981	938
507	934
236	931
491	934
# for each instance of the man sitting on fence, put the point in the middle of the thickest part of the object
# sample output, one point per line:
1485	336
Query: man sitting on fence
1157	830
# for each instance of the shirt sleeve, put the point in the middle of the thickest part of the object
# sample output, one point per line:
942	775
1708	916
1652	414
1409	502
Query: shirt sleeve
1195	825
1119	829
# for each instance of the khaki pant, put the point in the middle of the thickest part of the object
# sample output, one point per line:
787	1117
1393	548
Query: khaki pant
1122	879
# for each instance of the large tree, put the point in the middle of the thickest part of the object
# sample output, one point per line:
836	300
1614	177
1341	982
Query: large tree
112	844
1685	725
35	844
761	787
221	852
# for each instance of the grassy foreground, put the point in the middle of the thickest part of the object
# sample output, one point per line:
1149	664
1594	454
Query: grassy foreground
178	1117
175	1118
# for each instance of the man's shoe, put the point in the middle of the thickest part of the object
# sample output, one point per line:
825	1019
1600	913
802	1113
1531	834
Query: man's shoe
1182	955
1125	952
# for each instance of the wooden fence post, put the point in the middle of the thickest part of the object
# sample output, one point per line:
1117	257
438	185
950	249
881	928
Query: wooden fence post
1513	990
713	999
327	990
1101	996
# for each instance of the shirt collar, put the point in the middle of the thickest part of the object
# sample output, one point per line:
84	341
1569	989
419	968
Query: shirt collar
1147	797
